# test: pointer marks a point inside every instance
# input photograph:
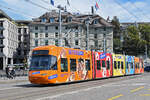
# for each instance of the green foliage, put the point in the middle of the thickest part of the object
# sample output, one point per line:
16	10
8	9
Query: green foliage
136	39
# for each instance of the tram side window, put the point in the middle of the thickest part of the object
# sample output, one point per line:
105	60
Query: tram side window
132	65
53	62
115	64
135	65
64	65
98	65
108	64
73	64
122	67
87	64
103	63
128	65
118	64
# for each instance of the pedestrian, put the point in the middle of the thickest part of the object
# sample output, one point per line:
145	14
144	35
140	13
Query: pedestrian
7	72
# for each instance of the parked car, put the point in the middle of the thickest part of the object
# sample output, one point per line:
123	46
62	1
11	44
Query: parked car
147	69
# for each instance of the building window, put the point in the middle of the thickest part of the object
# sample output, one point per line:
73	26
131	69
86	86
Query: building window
95	21
46	34
25	52
76	34
43	20
1	24
70	19
1	49
36	43
96	43
76	42
46	42
56	27
36	35
19	30
95	36
1	32
56	35
46	27
104	28
25	30
1	41
19	38
36	27
19	52
56	42
52	20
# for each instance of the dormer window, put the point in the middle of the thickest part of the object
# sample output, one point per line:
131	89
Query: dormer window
69	19
51	20
95	21
43	20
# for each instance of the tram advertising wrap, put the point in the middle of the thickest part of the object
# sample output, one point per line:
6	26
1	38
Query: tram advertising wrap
52	65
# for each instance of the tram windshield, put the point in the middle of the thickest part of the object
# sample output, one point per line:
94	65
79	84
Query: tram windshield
43	62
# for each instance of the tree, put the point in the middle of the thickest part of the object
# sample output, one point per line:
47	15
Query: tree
116	35
145	35
133	44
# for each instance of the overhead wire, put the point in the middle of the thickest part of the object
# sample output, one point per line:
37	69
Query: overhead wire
140	10
126	9
46	2
33	3
16	11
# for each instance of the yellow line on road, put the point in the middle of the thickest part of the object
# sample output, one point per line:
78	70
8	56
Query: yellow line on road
115	97
137	89
148	89
144	94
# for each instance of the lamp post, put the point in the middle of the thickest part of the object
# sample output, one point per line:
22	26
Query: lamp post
60	23
87	33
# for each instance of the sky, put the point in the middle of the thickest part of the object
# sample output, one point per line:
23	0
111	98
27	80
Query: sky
125	10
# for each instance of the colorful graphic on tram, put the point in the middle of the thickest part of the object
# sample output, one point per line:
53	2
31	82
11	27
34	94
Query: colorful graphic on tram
118	65
52	65
102	64
130	65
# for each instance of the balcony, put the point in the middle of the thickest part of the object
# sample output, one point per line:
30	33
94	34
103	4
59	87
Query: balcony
2	45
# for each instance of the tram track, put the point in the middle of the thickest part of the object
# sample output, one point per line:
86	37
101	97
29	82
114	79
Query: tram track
30	92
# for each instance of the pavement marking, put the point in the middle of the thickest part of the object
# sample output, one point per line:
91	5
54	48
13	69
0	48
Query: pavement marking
144	94
115	97
137	89
73	92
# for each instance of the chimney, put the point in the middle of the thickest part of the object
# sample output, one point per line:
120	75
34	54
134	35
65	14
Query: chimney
92	10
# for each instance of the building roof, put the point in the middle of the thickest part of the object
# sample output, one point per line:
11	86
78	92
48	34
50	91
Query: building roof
76	19
4	15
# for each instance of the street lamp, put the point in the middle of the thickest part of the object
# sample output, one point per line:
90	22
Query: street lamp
60	23
87	33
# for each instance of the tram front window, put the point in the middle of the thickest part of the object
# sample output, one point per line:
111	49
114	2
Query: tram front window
43	62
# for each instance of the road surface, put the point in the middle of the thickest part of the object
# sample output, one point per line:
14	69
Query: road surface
121	88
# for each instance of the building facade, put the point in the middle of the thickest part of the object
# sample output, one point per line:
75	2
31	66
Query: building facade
8	40
77	31
23	41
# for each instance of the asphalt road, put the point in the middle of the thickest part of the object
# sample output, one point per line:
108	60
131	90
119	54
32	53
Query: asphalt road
120	88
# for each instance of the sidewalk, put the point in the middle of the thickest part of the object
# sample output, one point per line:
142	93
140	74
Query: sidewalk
4	80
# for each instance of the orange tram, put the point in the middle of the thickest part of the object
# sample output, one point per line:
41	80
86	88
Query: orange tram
53	65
